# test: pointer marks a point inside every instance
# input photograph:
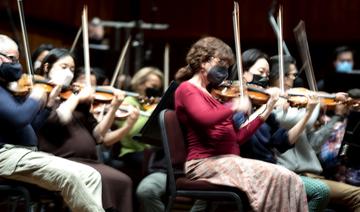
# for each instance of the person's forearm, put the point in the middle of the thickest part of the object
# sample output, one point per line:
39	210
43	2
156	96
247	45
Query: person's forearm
66	109
104	125
257	112
298	128
112	137
263	112
267	111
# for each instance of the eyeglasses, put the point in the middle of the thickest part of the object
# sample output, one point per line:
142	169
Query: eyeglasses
13	59
219	62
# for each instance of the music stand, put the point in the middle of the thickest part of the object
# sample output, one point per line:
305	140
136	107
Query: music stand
351	143
150	133
335	82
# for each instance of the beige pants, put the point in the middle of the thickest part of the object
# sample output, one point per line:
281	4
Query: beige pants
80	185
341	193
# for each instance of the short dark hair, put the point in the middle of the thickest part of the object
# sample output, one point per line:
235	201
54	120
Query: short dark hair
274	64
53	56
250	56
39	49
341	49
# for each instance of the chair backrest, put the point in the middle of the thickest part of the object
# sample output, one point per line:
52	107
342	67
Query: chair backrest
174	137
173	144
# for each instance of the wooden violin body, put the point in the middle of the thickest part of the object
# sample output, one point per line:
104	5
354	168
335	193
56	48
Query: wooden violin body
230	89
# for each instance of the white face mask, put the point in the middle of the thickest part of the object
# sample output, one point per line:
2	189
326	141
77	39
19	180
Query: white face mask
61	76
37	64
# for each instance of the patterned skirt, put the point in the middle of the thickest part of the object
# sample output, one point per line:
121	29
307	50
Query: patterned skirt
268	187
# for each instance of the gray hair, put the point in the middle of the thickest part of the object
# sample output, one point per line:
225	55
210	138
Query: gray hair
6	43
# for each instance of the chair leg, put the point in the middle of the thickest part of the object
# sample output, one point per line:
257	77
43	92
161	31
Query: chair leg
26	195
239	206
212	206
170	203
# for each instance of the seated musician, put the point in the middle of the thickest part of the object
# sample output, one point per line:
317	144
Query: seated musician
213	141
147	82
72	132
270	137
302	159
80	185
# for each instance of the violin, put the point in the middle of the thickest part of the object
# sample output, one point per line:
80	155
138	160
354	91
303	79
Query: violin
105	94
21	87
121	113
148	103
297	97
230	89
328	101
24	85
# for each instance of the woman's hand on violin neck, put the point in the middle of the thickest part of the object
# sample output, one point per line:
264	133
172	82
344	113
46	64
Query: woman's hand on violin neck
53	95
341	96
313	100
341	109
133	116
119	97
38	93
282	103
242	104
274	93
85	94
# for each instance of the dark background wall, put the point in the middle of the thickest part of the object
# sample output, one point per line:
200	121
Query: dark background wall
329	23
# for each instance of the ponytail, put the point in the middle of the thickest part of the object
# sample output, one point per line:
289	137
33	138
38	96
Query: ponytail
183	74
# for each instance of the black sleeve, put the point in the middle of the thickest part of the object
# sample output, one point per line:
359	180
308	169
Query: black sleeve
279	136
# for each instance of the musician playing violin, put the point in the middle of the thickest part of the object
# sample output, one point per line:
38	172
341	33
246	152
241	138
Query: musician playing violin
72	132
213	140
78	184
303	158
148	82
271	137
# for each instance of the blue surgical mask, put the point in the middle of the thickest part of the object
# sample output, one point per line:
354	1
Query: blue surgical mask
344	67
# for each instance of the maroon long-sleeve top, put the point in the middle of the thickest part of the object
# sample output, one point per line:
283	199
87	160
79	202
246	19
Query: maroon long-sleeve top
209	127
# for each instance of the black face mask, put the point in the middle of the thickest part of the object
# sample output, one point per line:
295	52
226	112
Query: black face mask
153	92
10	72
217	75
260	80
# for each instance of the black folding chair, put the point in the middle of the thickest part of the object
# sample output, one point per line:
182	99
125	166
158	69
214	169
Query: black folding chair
180	186
19	196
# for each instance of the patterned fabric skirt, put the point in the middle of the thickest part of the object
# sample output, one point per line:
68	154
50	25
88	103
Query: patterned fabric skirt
268	187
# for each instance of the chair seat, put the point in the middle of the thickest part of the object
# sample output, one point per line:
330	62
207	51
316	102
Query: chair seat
31	194
178	184
184	183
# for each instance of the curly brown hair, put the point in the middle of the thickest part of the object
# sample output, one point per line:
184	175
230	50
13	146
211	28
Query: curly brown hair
202	51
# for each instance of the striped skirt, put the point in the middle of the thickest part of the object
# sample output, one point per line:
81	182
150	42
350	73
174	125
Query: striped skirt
268	187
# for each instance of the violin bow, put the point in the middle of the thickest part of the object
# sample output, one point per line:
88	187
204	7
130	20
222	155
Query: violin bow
280	51
275	26
120	65
166	65
76	40
86	46
236	27
302	42
25	41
